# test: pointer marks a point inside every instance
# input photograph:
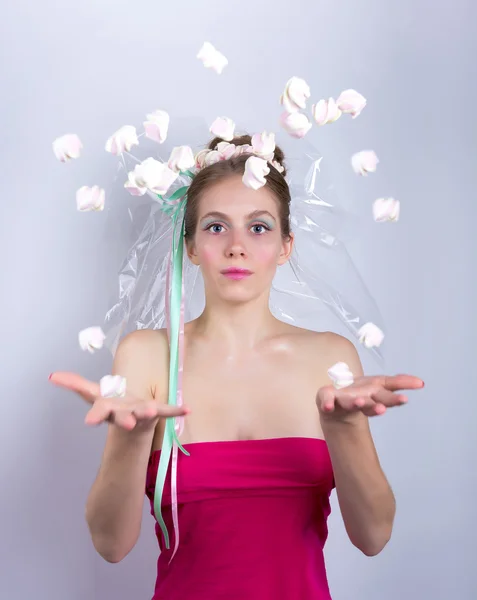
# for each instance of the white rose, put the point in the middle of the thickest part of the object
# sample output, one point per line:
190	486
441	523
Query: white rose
212	58
370	335
156	126
122	140
224	128
91	339
181	159
112	386
325	111
263	145
256	169
152	175
364	162
90	198
341	375
351	101
386	209
296	93
296	124
67	147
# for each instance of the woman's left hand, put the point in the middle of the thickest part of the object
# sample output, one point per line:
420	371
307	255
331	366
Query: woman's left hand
368	395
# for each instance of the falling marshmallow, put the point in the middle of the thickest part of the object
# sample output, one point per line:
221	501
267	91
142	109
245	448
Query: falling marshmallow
122	140
181	159
67	147
370	335
256	169
212	58
325	111
90	198
295	95
224	128
295	124
386	209
91	339
352	102
364	162
156	126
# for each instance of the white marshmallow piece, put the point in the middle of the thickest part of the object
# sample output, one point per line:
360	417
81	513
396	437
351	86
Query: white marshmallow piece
352	102
181	159
91	339
386	209
341	375
364	162
227	150
211	58
90	198
156	126
112	386
122	140
370	335
295	124
224	128
256	169
151	175
280	168
325	111
67	147
263	145
295	95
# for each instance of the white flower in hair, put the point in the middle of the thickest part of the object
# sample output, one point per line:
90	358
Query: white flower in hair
112	386
352	102
67	146
156	126
370	335
212	58
296	124
150	175
91	339
256	169
296	93
224	128
386	209
263	145
341	375
122	140
181	159
325	111
364	162
90	198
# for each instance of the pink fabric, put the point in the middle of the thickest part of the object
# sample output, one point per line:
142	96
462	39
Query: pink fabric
252	518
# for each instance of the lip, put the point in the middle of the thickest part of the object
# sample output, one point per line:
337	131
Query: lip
236	273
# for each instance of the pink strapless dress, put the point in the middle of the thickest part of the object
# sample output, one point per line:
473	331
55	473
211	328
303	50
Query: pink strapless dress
252	521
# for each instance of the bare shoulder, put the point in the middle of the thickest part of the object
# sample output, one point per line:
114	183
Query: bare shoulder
142	357
322	349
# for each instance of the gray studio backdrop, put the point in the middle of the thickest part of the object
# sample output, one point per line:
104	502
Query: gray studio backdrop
92	66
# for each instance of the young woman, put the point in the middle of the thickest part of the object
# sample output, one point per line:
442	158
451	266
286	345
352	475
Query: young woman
268	436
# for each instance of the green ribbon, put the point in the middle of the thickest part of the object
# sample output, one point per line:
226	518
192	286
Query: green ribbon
175	211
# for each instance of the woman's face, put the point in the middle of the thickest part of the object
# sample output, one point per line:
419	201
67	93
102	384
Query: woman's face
238	242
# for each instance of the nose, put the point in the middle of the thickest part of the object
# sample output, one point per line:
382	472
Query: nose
236	247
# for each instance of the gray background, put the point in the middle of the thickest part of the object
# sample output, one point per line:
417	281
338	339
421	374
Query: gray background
91	66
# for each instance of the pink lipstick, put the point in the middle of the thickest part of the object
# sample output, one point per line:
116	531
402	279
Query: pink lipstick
236	273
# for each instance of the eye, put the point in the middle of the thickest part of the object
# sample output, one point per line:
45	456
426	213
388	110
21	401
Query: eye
215	228
260	228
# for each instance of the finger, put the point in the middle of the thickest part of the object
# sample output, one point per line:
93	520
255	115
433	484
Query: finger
169	410
375	410
388	398
402	382
326	399
101	411
87	389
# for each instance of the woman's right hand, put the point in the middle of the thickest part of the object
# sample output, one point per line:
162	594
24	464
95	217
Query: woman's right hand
127	412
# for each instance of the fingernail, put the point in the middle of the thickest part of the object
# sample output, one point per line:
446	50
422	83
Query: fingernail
50	376
422	383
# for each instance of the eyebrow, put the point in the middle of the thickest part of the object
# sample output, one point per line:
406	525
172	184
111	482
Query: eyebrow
253	215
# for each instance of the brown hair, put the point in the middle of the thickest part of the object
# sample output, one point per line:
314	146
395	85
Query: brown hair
209	176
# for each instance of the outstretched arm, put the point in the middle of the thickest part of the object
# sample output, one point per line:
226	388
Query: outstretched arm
365	497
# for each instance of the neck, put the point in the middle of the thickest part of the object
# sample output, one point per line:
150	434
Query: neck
238	327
